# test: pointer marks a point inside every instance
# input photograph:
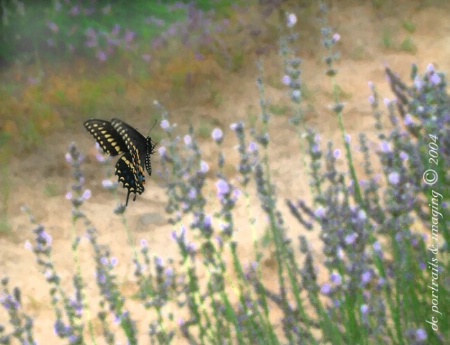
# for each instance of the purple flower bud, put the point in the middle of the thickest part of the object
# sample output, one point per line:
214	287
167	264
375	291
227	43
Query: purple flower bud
317	138
377	247
86	194
418	83
100	158
435	79
114	261
320	212
337	153
286	80
362	215
336	37
223	188
394	178
386	147
430	68
366	277
237	127
326	289
187	140
144	243
336	278
169	272
191	248
104	260
348	138
340	253
296	94
350	239
192	193
165	124
48	274
208	221
404	156
68	158
237	194
159	261
69	196
387	102
28	245
204	167
162	151
291	20
364	309
421	334
217	135
253	147
371	100
108	184
408	120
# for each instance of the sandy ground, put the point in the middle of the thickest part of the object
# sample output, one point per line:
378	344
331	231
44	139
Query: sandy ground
363	57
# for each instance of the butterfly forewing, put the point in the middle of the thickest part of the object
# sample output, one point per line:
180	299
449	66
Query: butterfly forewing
106	136
134	140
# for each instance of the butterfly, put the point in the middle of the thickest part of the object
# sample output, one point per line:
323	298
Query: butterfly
116	137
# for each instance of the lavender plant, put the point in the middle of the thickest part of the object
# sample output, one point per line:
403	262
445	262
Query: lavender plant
99	29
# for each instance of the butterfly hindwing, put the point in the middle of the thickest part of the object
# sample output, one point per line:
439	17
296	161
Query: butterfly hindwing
133	180
106	136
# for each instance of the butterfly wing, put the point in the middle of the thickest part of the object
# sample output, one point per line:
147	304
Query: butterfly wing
106	135
132	179
118	137
134	141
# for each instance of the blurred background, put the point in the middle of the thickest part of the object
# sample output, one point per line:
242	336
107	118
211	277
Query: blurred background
62	62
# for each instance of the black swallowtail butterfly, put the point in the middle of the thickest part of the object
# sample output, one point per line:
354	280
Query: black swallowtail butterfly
117	137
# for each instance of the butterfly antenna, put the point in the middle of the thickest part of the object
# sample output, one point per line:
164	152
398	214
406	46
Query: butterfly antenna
152	126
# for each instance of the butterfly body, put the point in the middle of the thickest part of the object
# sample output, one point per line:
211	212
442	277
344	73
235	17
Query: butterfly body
116	137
